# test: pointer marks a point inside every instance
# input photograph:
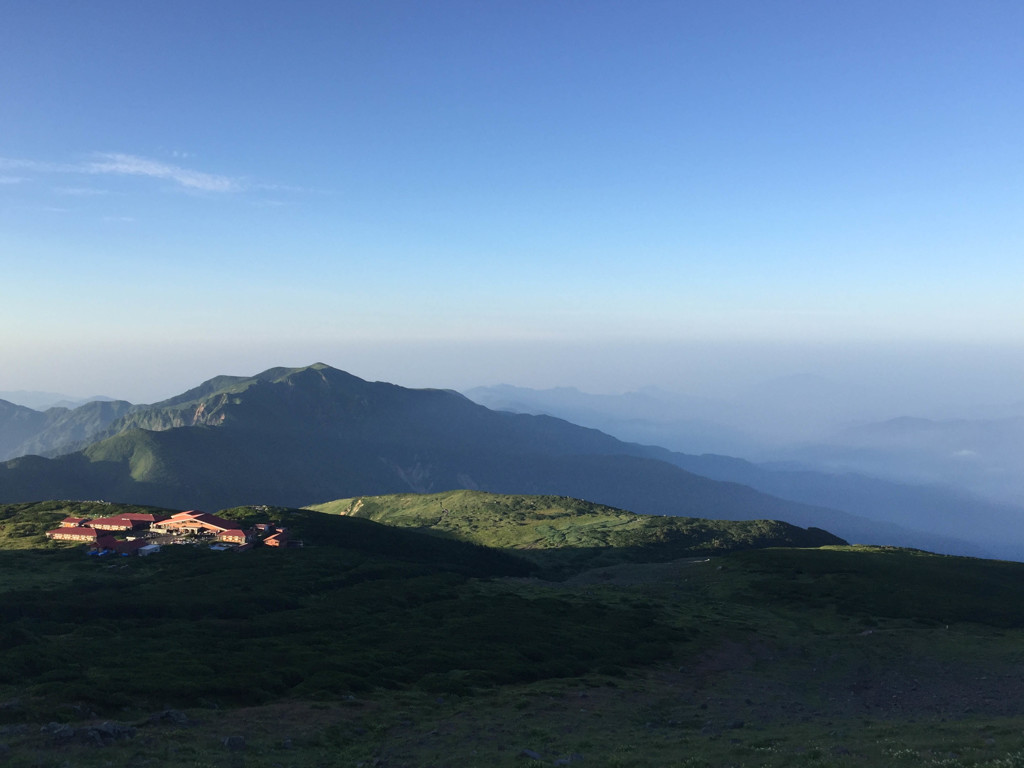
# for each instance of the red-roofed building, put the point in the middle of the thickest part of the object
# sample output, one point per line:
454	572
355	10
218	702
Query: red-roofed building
279	539
125	548
194	522
233	537
73	522
125	522
144	517
112	524
71	533
104	543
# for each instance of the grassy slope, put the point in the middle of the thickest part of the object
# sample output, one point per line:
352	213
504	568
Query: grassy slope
363	606
344	659
558	529
382	646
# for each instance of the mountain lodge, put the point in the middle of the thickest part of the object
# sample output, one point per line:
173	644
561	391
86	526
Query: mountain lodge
97	532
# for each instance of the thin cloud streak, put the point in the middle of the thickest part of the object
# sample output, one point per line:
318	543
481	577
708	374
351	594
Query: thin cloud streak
121	164
132	165
80	191
10	163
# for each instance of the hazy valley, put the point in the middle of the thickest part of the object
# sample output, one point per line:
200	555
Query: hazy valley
810	440
303	436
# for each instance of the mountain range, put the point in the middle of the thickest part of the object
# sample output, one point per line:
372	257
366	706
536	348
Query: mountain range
955	478
24	430
810	423
296	437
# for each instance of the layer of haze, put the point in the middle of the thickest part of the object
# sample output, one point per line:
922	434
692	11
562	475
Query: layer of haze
696	196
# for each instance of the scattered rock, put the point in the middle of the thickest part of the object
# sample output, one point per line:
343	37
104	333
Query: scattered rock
175	716
529	754
97	735
234	743
91	736
81	712
104	734
59	732
575	757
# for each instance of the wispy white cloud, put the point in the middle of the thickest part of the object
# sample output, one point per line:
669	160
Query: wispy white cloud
274	203
12	179
80	191
132	165
278	188
14	163
120	164
43	208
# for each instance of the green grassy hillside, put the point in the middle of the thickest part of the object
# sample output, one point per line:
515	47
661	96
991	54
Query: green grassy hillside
362	606
570	532
411	643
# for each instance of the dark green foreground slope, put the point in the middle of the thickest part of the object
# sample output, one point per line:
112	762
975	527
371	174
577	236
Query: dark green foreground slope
378	645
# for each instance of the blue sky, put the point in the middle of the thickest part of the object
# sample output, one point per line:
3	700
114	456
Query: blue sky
452	193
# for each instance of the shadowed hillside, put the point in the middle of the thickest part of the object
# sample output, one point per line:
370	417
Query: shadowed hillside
389	644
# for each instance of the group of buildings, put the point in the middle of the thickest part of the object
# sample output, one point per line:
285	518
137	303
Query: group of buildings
143	532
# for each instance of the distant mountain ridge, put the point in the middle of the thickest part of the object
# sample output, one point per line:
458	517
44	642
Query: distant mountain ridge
56	430
43	401
295	437
859	474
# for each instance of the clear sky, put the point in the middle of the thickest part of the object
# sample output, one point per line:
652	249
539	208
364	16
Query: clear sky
454	193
